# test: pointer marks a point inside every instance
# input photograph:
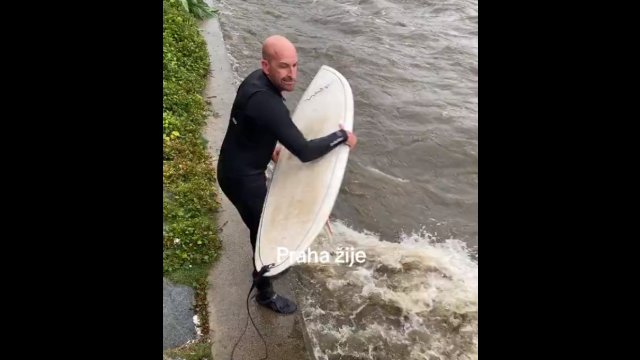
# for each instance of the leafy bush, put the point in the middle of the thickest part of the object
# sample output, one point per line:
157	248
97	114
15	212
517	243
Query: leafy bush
198	8
189	198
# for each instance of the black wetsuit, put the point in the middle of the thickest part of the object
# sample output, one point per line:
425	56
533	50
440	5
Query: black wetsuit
259	119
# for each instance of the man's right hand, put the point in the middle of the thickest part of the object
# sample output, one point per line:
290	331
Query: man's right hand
276	154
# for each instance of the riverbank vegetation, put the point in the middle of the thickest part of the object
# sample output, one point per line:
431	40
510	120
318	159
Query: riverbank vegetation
190	240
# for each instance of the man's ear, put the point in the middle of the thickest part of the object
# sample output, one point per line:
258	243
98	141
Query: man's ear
265	66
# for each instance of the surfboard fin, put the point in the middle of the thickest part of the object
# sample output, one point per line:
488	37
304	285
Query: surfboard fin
328	230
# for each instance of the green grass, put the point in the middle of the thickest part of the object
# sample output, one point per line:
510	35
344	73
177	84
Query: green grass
195	351
191	276
190	239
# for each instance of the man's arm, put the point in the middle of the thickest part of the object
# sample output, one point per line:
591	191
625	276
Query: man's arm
275	118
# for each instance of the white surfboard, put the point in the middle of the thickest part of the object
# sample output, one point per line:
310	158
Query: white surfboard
301	195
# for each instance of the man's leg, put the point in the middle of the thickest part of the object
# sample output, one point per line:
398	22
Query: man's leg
256	191
255	194
243	192
248	195
233	188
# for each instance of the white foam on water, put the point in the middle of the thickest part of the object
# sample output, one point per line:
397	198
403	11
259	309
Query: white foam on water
383	174
414	299
334	284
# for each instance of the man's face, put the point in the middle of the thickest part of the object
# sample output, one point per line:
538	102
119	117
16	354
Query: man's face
282	69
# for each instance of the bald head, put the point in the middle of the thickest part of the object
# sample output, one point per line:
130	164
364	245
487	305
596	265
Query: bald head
277	46
280	62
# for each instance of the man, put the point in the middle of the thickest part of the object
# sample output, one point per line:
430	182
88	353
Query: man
260	119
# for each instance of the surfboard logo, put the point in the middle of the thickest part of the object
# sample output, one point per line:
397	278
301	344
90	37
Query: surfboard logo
318	91
334	142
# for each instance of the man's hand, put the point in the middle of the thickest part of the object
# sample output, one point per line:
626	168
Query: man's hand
351	139
276	154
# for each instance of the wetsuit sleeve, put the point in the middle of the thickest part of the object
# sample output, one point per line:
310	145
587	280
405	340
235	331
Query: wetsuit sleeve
275	118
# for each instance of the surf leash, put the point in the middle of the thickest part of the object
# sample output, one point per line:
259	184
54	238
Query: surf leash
258	276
